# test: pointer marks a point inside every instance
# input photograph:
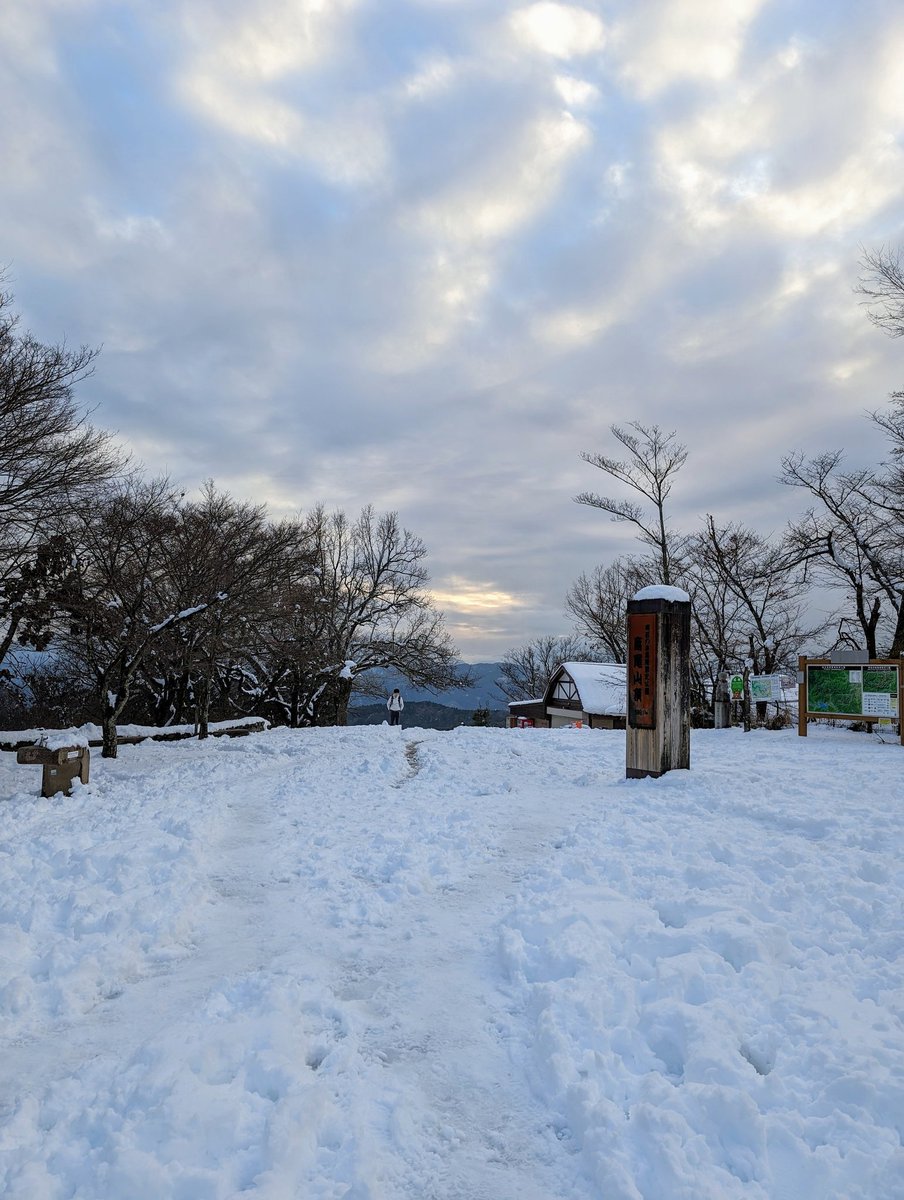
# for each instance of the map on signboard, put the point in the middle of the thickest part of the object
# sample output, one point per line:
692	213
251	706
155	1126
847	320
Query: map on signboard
834	690
765	687
880	691
845	691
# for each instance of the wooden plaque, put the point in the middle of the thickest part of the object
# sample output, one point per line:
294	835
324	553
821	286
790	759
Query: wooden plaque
642	633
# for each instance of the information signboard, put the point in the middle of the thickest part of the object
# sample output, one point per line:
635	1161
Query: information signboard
766	687
842	691
868	691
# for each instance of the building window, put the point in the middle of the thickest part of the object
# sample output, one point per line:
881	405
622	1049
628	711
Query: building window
565	694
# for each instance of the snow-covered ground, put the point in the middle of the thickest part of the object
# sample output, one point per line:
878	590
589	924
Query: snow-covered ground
376	964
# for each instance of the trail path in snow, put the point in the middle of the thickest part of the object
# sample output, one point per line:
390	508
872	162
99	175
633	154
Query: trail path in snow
425	989
341	975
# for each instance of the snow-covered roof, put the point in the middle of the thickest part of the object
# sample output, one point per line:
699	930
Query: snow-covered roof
601	686
661	591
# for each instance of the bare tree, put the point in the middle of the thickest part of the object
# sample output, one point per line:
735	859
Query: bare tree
836	559
771	595
598	603
718	628
228	548
526	670
118	594
891	422
372	583
882	286
51	460
654	457
366	607
854	538
277	673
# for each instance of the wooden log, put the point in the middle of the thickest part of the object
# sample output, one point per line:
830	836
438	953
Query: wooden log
240	730
132	739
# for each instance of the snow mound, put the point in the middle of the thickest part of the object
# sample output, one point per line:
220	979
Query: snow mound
661	591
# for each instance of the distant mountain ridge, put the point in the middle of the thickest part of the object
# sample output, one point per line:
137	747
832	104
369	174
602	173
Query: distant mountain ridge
422	714
484	693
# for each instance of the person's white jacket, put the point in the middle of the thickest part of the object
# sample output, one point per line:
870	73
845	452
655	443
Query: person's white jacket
395	703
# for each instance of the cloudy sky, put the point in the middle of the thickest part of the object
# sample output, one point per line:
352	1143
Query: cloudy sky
422	253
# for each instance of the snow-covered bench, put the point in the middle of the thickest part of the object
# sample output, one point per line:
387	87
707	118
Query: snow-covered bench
62	763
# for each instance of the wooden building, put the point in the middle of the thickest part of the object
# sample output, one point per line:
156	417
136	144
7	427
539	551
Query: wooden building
527	713
592	693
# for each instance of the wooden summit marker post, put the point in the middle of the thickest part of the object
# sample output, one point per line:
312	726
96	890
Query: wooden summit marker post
659	682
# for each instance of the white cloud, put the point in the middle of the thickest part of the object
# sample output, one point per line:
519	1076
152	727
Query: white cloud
577	93
240	63
560	30
461	595
619	295
745	155
266	40
434	76
861	186
850	369
129	228
509	192
462	230
664	41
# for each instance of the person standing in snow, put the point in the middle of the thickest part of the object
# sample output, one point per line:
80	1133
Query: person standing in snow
395	704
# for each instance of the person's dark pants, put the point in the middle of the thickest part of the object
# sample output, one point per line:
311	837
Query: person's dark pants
394	716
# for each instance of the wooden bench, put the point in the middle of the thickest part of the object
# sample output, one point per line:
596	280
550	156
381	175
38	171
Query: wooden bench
60	766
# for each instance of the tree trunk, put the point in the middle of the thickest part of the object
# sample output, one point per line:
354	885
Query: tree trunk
295	703
114	704
870	630
897	644
332	703
110	746
10	636
203	706
179	698
343	695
